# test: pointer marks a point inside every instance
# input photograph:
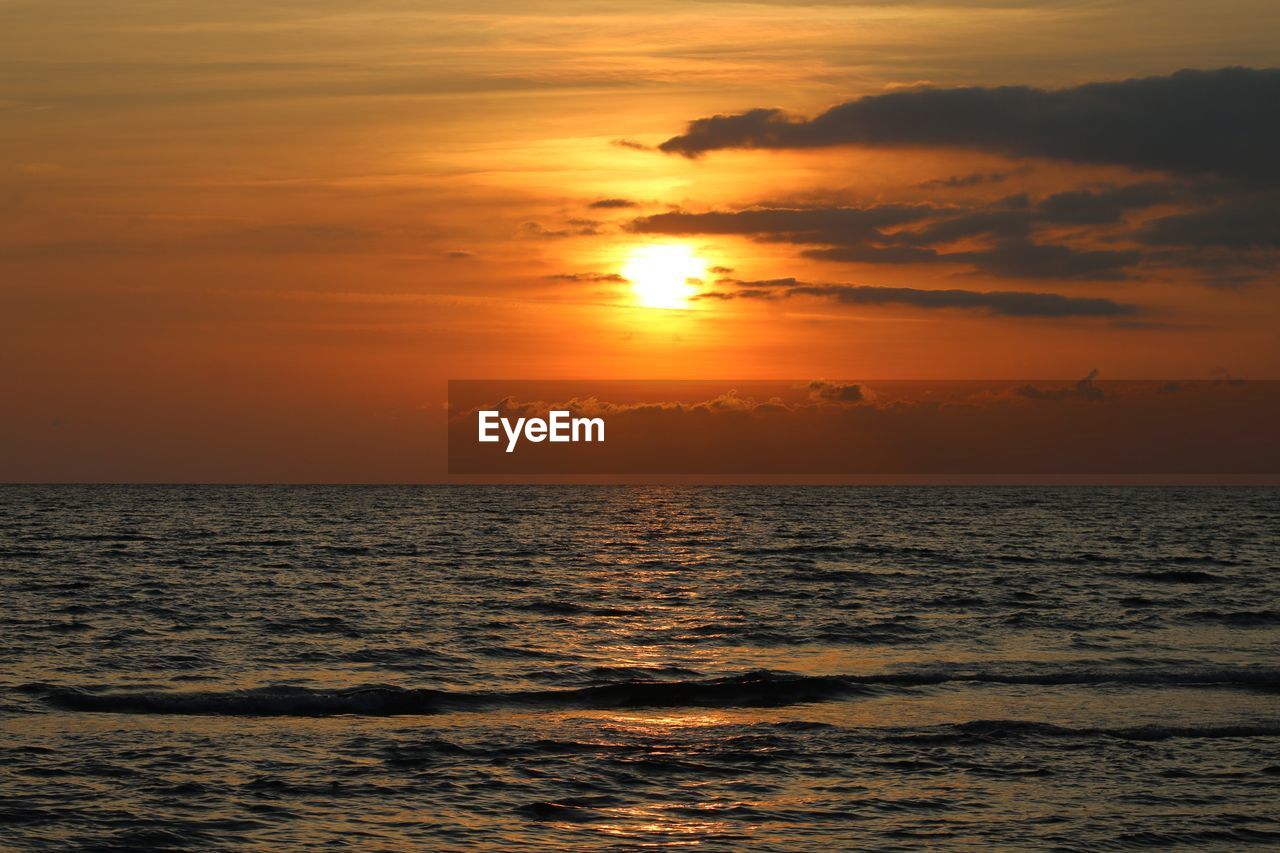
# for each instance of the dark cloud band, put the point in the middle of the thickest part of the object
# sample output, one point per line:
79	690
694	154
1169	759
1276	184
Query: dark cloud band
1008	303
1191	122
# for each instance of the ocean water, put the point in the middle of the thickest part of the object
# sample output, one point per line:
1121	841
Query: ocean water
579	668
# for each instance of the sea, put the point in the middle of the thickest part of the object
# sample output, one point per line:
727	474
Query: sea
752	668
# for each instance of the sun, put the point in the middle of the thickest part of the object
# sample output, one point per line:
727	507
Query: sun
660	274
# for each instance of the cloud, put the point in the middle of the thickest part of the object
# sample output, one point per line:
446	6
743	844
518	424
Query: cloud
819	394
611	203
1007	217
1191	122
863	235
836	392
1213	217
1025	259
1008	259
972	179
1007	303
865	254
610	277
1245	222
1003	302
1085	389
1014	216
728	402
790	224
1102	207
537	231
765	283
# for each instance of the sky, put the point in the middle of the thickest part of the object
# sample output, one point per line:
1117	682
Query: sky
252	242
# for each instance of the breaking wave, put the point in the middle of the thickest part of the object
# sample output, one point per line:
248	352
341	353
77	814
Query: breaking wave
749	690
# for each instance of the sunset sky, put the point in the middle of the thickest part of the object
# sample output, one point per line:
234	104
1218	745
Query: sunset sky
245	241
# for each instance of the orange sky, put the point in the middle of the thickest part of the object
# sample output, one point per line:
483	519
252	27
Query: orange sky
251	242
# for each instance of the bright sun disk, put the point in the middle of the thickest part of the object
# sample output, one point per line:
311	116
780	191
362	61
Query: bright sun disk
660	274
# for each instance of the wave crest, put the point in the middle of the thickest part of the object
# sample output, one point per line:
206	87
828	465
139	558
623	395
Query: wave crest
758	689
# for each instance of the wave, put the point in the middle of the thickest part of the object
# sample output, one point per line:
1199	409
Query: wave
760	689
749	690
1251	678
1236	618
1178	576
995	730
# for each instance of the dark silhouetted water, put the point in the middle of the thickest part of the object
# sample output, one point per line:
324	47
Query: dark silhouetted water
581	668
